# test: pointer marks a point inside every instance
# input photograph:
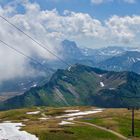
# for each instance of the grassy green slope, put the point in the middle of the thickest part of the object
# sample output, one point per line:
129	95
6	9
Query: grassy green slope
118	120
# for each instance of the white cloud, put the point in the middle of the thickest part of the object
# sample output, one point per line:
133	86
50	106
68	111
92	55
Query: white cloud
100	1
105	1
130	1
56	0
13	64
97	1
123	29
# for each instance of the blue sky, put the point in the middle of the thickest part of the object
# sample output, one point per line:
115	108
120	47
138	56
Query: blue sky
100	11
97	23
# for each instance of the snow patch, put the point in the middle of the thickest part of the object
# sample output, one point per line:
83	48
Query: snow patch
69	68
102	84
73	118
67	111
35	85
65	123
80	113
133	60
22	84
33	113
100	75
43	118
11	131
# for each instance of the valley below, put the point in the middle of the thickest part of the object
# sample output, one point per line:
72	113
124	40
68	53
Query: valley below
67	123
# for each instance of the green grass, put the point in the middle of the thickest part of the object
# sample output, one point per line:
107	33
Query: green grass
118	120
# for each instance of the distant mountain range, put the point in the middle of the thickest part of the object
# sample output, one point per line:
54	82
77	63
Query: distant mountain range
102	54
128	61
82	85
111	58
72	52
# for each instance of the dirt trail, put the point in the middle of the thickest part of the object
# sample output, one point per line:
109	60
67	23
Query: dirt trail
102	128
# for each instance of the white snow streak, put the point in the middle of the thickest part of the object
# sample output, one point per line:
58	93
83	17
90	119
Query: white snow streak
102	84
100	75
65	122
80	113
33	113
67	111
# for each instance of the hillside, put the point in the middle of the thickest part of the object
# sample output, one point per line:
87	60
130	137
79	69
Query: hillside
82	85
